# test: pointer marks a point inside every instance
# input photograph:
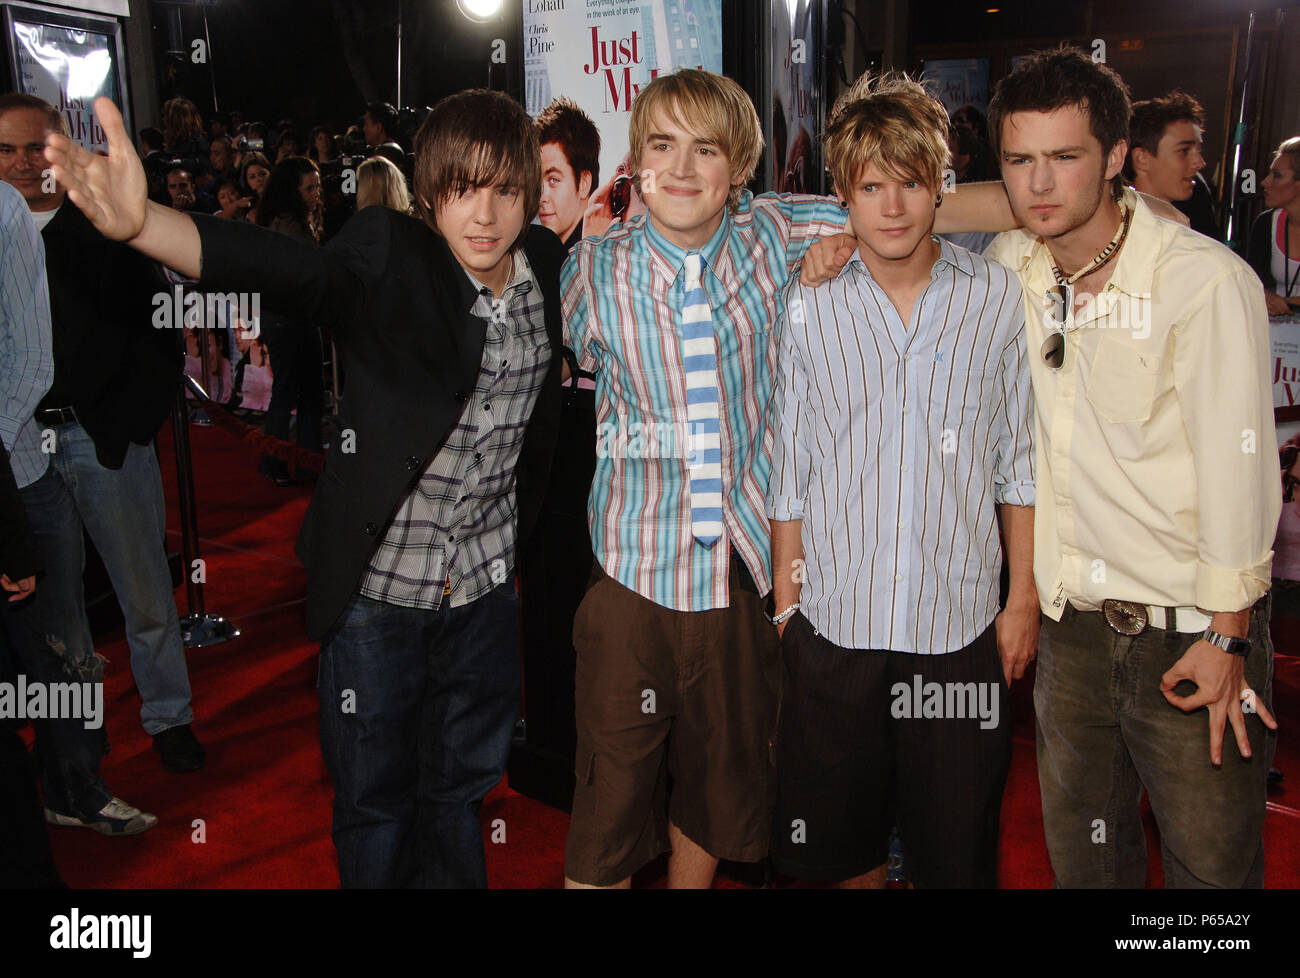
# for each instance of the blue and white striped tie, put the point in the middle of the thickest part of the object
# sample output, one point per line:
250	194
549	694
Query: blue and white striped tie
700	357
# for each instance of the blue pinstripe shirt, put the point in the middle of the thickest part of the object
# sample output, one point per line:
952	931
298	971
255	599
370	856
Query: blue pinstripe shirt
26	348
893	445
622	300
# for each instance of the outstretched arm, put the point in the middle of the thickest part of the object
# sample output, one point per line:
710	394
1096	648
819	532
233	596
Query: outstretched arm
113	193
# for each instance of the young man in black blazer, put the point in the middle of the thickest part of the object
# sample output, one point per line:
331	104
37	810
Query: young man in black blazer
449	331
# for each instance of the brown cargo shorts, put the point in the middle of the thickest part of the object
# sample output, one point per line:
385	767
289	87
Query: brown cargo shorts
691	696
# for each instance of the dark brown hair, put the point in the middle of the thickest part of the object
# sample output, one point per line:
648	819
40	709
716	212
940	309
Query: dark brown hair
563	123
281	197
1153	116
476	138
1050	80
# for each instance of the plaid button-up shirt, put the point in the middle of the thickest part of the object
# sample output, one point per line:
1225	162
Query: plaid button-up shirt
453	534
622	299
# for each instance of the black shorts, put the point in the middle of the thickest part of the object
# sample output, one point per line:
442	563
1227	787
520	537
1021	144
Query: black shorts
853	761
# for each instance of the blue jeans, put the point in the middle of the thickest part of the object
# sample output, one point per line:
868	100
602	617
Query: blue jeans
417	709
68	752
123	511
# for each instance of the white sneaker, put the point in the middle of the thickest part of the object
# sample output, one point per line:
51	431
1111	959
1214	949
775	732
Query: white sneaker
115	818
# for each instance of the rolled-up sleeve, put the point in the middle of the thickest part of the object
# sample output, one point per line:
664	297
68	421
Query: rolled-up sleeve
1013	472
1221	377
791	460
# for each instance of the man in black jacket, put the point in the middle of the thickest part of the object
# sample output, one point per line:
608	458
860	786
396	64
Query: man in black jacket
449	330
115	379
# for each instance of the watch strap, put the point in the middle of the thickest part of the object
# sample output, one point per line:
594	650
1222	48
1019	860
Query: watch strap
1234	646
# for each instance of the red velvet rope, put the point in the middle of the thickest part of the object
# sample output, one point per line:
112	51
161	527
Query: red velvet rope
262	442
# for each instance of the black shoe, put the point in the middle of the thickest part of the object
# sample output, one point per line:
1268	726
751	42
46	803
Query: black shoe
180	749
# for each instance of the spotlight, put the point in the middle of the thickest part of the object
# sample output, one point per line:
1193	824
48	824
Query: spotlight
479	11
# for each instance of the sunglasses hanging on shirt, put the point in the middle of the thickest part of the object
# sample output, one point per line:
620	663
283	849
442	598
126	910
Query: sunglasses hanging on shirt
1060	297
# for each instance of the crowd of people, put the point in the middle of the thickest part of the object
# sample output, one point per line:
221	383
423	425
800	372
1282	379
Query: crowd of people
272	370
856	550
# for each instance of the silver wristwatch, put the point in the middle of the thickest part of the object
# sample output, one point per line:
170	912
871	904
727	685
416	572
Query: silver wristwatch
1235	646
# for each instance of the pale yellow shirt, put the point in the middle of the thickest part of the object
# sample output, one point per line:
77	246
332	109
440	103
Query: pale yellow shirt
1157	477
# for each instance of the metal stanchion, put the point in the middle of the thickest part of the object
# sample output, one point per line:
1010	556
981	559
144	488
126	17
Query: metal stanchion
198	628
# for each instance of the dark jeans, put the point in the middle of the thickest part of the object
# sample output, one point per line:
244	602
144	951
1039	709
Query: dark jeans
297	365
1106	732
25	859
417	709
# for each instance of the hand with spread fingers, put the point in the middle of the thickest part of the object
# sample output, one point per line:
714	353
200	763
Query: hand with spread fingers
111	190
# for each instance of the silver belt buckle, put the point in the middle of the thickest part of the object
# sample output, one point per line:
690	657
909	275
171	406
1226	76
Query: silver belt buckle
1125	617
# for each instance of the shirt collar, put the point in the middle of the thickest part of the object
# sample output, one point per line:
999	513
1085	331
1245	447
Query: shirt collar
949	254
669	258
1134	266
520	274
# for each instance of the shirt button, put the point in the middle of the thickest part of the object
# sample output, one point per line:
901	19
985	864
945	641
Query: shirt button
478	456
412	463
487	407
371	529
904	468
898	577
902	526
451	539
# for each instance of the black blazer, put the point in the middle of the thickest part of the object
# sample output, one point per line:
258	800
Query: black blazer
116	369
398	308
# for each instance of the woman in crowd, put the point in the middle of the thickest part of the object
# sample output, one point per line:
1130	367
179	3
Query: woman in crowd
1274	248
233	204
183	137
253	176
289	144
324	147
380	182
291	205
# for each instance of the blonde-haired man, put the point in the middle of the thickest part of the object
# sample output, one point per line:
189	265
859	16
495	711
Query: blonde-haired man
677	669
902	418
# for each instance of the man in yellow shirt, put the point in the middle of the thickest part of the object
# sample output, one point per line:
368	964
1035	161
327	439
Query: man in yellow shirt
1157	498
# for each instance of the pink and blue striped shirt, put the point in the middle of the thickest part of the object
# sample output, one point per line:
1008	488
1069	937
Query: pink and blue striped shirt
622	304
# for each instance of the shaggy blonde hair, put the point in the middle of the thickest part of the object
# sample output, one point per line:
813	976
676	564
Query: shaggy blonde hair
380	182
712	107
891	121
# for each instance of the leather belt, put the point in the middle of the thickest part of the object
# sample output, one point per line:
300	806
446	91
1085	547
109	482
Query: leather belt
56	416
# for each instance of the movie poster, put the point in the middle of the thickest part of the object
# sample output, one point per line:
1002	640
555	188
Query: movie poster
957	82
69	68
599	53
1285	371
795	150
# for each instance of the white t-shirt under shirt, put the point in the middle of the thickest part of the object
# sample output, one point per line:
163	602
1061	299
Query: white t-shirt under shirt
1285	273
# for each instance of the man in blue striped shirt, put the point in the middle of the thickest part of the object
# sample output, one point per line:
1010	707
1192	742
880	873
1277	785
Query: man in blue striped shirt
902	418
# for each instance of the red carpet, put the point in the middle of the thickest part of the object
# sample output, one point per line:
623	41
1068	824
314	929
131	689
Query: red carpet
258	814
